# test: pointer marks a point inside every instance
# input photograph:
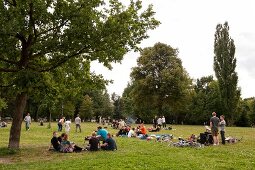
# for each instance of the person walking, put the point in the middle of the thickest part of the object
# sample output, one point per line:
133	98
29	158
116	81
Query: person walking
214	123
27	120
77	121
222	125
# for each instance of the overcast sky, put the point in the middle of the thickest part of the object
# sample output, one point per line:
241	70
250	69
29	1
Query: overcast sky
189	25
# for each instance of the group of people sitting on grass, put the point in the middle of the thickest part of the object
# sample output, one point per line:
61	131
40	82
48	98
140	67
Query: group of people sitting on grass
127	131
62	144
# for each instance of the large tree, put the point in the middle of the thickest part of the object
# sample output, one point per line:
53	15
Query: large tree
39	36
224	67
205	100
159	81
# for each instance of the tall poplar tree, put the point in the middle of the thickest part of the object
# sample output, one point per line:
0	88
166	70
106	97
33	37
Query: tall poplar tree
224	67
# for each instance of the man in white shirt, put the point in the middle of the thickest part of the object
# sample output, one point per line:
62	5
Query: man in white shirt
27	119
77	123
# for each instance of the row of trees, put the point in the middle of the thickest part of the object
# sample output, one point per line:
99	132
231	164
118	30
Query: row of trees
161	86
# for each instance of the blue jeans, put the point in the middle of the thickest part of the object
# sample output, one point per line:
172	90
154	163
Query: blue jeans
27	125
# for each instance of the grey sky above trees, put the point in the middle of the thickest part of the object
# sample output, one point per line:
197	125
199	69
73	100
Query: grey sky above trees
190	27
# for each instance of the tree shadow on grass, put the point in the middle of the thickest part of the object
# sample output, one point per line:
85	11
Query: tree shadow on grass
8	151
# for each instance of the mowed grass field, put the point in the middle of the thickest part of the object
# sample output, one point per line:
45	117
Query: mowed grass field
132	153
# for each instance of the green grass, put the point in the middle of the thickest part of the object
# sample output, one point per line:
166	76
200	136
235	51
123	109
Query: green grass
131	153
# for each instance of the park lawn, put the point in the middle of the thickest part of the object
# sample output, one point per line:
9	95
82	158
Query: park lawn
131	153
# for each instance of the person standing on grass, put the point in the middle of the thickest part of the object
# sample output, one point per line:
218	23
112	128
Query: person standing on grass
77	121
214	123
60	124
222	125
164	122
155	122
68	126
27	120
159	121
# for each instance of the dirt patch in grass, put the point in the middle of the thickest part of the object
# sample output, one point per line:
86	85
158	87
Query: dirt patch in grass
5	161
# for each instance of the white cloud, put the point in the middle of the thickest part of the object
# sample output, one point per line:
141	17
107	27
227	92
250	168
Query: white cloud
190	27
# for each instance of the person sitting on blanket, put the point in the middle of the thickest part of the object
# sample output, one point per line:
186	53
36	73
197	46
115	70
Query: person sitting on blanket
55	142
67	146
109	144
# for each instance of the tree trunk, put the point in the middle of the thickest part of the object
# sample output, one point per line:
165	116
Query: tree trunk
15	131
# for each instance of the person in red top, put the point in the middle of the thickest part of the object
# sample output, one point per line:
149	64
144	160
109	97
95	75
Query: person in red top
143	129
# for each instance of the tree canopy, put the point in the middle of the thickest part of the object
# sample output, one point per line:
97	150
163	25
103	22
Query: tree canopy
40	36
159	81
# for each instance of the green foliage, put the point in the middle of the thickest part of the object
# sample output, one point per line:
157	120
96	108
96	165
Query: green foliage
127	103
3	104
224	67
86	109
205	100
252	113
160	83
117	113
246	113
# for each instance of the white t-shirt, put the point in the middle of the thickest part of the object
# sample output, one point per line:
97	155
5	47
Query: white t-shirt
77	120
28	119
159	121
67	125
163	120
131	133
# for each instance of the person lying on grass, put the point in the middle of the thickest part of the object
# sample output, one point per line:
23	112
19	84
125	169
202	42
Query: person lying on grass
109	144
67	146
157	129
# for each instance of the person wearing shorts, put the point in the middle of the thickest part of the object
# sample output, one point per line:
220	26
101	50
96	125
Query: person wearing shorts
214	124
